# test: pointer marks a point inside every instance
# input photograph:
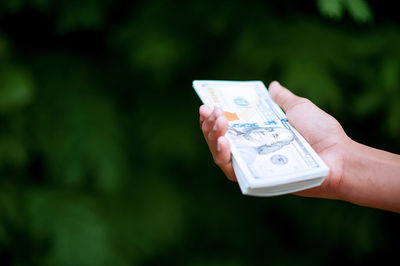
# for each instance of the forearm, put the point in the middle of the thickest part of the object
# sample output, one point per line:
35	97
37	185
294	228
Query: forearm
371	177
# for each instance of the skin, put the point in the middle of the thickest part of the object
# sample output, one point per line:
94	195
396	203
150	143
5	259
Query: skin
358	173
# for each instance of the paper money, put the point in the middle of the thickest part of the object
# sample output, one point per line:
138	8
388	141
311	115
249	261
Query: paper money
269	156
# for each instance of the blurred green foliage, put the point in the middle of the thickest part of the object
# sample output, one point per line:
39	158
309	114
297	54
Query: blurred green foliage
101	158
359	10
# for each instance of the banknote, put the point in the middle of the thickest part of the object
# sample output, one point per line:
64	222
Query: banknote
269	156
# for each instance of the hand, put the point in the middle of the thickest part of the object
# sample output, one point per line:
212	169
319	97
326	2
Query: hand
214	126
321	130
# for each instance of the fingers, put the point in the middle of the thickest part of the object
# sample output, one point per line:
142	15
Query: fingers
283	97
214	125
205	112
207	118
223	158
218	129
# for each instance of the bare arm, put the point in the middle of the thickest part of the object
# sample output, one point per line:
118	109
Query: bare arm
358	174
371	177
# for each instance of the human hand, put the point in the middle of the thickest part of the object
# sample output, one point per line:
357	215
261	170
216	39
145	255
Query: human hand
322	132
214	126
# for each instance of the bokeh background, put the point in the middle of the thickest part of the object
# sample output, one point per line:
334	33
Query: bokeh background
102	161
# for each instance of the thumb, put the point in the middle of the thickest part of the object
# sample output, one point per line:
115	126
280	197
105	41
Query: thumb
282	96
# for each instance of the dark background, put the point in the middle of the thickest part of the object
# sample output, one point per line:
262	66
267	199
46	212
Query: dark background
102	161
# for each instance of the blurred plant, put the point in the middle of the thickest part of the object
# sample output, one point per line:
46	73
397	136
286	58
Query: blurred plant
101	158
359	10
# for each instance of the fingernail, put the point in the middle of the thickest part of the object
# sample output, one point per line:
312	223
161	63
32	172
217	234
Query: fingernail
201	118
219	144
203	108
274	83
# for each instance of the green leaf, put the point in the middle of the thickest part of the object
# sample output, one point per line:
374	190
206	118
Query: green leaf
331	8
359	10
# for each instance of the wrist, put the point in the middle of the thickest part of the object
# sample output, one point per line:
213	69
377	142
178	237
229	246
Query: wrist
348	184
370	177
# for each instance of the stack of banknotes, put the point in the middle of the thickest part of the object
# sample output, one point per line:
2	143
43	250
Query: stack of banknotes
269	156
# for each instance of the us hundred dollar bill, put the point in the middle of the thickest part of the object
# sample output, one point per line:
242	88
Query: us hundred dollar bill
269	156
